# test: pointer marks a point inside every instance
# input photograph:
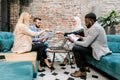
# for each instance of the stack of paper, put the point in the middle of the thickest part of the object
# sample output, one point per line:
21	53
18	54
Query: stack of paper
73	36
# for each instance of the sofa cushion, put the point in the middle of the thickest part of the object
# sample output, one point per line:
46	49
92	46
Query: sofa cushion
6	35
113	38
114	43
113	62
5	44
114	47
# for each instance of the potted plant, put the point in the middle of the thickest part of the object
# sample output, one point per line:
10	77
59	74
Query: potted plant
109	21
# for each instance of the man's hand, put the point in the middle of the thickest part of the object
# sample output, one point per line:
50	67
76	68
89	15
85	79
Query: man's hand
70	39
40	39
80	37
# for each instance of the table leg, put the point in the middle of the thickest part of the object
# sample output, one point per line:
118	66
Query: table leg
53	60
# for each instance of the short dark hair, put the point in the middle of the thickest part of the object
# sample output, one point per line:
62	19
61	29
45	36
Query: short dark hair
91	16
37	18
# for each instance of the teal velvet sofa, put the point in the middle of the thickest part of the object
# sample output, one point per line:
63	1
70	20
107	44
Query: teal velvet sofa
6	41
17	70
109	64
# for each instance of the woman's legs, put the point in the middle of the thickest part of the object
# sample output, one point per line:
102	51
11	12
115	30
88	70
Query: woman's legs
68	58
36	47
64	62
41	53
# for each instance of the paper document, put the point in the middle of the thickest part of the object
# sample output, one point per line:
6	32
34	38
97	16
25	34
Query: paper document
73	36
47	35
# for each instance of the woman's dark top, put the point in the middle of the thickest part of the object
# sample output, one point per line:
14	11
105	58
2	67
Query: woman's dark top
79	32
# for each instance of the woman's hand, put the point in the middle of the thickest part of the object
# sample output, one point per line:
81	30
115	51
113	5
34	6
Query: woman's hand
70	39
60	32
48	30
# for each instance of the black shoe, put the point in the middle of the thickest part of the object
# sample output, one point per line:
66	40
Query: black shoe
51	68
72	63
62	64
41	70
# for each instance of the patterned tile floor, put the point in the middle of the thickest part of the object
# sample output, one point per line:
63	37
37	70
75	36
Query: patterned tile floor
63	73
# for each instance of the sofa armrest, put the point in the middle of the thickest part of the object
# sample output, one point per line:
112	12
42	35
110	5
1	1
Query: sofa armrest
25	57
16	71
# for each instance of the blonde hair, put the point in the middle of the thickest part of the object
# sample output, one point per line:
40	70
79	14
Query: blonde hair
24	18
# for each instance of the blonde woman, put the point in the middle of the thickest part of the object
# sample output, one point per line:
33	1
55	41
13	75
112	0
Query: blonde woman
23	37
